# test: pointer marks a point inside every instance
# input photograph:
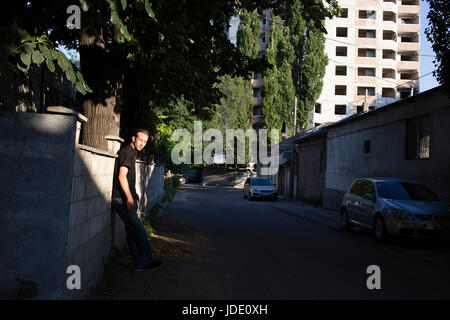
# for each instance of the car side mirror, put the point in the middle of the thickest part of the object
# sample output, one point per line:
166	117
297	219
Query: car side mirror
368	196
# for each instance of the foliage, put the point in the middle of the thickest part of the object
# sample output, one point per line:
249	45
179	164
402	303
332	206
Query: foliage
247	36
308	40
278	87
178	114
236	104
171	186
438	33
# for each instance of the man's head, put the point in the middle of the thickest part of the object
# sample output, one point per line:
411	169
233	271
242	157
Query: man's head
139	139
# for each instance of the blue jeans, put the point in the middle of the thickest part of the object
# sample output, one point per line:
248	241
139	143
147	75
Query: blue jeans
136	235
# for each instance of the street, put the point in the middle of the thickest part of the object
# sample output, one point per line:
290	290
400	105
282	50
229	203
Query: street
241	249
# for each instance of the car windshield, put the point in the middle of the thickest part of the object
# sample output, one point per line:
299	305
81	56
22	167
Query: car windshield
405	191
261	182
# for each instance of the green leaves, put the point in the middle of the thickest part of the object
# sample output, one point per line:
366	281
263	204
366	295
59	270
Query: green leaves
37	50
37	57
25	58
50	65
149	10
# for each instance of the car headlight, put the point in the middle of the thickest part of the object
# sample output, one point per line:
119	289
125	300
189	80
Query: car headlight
402	215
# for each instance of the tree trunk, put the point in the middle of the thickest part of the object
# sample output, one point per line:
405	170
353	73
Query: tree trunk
101	107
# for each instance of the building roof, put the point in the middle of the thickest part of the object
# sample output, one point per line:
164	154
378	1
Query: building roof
360	115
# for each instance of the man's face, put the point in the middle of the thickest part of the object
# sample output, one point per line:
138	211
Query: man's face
140	140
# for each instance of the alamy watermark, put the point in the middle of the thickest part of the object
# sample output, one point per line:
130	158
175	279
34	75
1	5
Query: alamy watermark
74	280
74	20
235	141
374	281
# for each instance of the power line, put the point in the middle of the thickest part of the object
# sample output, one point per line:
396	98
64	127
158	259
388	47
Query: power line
360	99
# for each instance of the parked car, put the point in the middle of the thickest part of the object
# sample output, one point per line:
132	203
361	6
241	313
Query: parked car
393	206
193	175
259	188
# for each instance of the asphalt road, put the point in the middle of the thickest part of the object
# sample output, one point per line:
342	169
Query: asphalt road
241	249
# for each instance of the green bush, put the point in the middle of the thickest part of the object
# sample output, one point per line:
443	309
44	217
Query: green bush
171	186
147	220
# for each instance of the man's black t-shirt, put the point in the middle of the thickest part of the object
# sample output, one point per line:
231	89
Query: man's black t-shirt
127	158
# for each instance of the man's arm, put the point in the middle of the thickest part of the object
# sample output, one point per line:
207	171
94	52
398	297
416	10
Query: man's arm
125	187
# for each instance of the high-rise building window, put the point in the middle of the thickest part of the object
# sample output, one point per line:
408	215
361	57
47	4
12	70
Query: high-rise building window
341	32
344	13
340	90
366	72
340	109
366	33
341	70
367	14
368	53
318	108
362	91
341	51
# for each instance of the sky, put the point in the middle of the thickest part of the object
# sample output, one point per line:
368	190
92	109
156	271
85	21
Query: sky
426	63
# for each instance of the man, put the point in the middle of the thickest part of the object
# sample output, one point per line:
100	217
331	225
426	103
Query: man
125	203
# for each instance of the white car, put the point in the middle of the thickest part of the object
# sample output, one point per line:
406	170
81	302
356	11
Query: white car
259	188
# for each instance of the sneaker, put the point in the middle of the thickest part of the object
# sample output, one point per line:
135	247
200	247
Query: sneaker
151	267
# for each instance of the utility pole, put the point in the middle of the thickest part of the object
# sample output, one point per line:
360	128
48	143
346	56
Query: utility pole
295	117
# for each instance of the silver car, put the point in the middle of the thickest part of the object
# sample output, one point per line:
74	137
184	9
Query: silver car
259	188
393	206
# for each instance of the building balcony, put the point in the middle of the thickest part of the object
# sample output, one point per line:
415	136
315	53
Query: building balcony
410	28
257	101
389	25
365	61
366	22
389	6
365	80
257	83
403	83
389	44
360	99
389	63
367	4
408	9
371	42
408	46
408	65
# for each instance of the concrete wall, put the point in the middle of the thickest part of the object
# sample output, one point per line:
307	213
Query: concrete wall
35	177
93	228
150	185
311	176
55	203
386	129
